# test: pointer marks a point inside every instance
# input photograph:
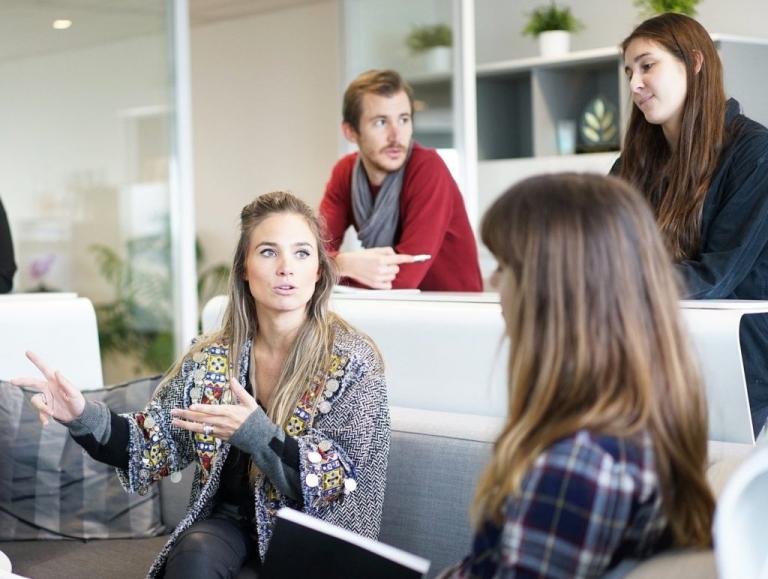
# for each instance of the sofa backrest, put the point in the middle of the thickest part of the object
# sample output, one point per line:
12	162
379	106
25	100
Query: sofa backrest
439	345
435	460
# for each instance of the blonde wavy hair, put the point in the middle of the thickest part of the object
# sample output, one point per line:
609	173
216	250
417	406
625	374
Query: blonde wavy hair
312	348
592	314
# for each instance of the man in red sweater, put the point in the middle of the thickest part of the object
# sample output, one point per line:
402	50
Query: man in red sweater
399	196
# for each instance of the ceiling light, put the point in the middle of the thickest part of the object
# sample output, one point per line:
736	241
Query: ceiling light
61	24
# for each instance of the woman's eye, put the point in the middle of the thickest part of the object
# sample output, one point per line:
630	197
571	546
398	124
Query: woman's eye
302	254
647	66
267	252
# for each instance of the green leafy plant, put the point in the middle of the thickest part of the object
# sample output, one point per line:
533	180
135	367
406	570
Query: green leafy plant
552	17
139	320
653	7
423	38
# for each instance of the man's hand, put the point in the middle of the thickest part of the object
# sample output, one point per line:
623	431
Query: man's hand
374	267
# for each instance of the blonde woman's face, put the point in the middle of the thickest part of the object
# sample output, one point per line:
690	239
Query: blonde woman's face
282	265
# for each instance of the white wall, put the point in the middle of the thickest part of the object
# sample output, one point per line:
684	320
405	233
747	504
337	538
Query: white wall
376	33
607	23
64	157
266	113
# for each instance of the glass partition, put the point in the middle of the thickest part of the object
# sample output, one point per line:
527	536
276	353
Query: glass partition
85	149
431	43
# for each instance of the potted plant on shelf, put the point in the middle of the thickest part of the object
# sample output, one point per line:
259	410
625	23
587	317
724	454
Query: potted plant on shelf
433	41
553	26
653	7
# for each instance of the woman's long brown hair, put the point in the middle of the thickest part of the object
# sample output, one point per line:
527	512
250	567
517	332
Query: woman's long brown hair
675	180
597	343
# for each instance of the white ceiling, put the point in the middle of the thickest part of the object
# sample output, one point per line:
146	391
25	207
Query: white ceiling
26	31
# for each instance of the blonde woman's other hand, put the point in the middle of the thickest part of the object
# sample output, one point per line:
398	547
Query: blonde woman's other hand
56	397
219	420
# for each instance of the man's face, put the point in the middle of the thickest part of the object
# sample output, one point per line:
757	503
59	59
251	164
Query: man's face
384	134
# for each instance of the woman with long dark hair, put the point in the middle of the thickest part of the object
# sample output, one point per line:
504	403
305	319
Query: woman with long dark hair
286	405
604	450
703	167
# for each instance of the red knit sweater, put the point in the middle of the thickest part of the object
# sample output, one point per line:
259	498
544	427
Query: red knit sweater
433	220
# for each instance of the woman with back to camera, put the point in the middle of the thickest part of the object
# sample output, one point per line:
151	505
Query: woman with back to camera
603	453
703	167
309	430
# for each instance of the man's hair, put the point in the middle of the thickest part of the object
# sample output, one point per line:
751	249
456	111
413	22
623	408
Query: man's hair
385	83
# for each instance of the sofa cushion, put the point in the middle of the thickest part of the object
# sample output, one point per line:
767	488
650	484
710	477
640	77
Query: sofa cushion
116	559
49	487
113	558
675	564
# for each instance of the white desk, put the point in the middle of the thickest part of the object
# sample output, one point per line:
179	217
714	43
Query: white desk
444	351
714	327
61	328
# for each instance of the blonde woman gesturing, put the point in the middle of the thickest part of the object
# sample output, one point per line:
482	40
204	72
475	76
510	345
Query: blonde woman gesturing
285	406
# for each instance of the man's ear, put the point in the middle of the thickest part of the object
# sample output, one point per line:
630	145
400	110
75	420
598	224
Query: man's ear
698	61
349	132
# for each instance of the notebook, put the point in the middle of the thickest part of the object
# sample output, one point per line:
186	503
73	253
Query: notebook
304	546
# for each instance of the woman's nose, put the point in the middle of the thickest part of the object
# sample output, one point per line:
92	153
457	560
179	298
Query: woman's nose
284	266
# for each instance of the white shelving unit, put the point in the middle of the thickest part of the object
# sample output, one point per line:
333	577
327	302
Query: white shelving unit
521	101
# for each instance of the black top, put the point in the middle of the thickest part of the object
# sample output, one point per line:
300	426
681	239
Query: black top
235	487
733	261
7	263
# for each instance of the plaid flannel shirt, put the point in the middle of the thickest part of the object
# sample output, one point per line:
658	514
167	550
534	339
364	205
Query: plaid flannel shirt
588	501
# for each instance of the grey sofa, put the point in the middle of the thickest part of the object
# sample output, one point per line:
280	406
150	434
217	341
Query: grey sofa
434	462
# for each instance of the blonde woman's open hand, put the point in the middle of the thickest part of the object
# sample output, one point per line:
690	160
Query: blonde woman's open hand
219	420
56	396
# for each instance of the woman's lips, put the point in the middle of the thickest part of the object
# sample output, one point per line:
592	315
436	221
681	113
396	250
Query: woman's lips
284	289
644	100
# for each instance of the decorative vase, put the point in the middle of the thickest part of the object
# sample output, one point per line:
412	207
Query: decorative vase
439	59
599	126
554	43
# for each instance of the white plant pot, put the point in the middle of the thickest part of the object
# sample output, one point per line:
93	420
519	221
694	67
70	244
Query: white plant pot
554	43
439	59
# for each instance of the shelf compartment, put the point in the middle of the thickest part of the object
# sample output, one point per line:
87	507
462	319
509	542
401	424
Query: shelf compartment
504	122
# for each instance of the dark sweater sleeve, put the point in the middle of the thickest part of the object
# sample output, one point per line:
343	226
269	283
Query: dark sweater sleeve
7	259
735	232
114	451
273	451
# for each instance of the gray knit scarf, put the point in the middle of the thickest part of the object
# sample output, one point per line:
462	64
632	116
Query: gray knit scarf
377	221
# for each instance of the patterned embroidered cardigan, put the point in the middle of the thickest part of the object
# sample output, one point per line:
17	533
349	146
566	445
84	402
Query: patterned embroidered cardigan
348	426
